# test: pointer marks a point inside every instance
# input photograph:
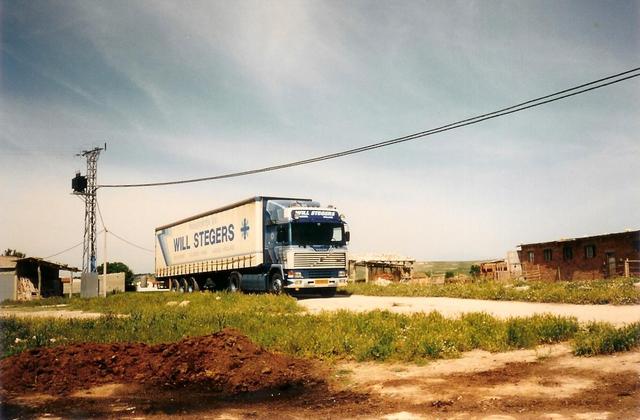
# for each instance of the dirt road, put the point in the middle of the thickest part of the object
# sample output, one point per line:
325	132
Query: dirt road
452	307
548	383
51	313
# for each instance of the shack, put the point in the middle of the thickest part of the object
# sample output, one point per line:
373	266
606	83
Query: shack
30	278
372	267
495	270
502	270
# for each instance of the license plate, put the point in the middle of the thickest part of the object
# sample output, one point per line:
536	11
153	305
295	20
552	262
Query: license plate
322	282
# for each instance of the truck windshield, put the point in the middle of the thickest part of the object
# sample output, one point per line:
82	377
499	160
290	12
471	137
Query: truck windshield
317	234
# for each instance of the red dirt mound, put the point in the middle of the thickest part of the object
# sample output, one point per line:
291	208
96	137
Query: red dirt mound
225	362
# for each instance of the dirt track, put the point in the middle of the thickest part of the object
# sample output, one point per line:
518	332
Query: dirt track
548	382
452	307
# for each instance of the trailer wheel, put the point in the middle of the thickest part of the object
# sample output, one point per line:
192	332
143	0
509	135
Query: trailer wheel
234	282
173	285
195	287
275	283
182	285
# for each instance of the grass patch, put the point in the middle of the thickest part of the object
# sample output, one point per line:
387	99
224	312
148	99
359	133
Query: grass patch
456	267
278	323
620	291
602	338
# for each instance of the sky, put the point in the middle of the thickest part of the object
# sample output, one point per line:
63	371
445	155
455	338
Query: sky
186	89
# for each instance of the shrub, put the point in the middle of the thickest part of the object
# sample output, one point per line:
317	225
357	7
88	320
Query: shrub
278	323
601	338
619	291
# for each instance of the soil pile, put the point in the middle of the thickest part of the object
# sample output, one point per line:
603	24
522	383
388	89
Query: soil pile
225	362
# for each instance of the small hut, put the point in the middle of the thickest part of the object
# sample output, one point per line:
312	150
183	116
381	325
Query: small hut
30	278
372	267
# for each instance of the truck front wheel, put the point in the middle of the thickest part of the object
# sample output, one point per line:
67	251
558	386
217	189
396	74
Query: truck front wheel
275	283
234	282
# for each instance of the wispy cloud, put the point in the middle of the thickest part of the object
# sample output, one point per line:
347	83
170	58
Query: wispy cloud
189	89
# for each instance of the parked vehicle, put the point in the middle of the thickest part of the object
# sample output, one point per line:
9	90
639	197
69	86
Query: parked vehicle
259	244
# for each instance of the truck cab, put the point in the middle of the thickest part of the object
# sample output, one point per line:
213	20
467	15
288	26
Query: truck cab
309	242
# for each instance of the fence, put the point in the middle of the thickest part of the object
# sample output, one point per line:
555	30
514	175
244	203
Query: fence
631	268
531	272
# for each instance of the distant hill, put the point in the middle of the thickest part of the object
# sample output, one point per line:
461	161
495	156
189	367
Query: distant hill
457	267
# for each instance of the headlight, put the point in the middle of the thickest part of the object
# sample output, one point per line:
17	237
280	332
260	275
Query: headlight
294	274
342	273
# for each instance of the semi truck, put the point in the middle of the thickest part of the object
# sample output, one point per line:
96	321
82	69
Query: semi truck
272	244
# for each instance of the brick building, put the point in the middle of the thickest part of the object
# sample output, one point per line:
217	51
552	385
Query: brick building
587	258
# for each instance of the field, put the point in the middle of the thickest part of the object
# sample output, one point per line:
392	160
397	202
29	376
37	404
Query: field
620	291
330	346
455	267
279	323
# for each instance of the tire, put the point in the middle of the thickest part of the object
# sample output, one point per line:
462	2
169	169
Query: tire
234	282
209	285
275	283
193	285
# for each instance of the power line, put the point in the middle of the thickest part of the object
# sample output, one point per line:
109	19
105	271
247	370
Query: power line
70	248
117	236
100	214
129	242
563	94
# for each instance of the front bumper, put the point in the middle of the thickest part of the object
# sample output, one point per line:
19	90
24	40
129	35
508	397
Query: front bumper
297	284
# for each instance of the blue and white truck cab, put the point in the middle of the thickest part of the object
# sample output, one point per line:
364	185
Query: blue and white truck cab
310	242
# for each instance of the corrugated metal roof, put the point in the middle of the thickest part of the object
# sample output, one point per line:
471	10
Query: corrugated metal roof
11	262
42	261
582	238
379	258
8	262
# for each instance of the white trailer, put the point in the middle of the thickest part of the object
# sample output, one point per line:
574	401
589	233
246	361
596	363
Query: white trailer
262	243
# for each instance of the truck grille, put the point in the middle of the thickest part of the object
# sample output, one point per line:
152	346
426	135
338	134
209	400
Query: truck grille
319	260
320	273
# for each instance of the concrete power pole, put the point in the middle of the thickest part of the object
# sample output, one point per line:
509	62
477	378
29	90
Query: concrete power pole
86	186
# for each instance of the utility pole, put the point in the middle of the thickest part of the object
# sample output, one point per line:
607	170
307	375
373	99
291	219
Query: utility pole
86	186
103	287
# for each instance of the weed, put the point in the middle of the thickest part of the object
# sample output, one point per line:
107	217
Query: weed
277	323
601	338
618	291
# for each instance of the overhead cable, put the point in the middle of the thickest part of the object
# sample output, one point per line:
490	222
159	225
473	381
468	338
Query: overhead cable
129	242
70	248
566	93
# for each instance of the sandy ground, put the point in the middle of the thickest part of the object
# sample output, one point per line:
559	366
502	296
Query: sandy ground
453	307
548	382
49	313
545	383
450	307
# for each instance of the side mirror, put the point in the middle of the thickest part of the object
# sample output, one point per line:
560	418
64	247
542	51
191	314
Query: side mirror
347	236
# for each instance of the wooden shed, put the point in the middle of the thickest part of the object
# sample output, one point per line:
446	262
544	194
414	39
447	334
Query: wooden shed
30	278
371	267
